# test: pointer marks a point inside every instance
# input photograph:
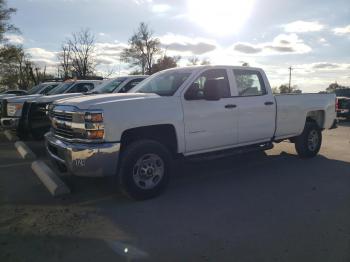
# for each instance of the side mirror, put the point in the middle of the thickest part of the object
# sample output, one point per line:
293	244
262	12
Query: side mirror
211	90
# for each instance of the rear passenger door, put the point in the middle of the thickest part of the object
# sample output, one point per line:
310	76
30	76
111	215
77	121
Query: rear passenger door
209	125
256	107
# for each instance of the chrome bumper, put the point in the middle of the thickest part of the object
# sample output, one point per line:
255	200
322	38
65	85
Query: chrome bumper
92	160
9	122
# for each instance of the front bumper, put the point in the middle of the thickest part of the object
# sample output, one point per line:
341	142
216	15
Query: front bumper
91	160
10	123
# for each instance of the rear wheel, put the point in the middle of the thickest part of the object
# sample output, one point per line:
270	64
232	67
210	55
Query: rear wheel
308	144
145	169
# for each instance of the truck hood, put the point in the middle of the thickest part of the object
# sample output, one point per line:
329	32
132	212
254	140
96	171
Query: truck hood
22	99
4	96
50	99
93	101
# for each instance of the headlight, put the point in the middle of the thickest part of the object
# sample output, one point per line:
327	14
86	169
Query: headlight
94	125
14	109
85	125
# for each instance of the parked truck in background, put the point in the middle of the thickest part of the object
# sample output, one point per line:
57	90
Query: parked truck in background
193	112
15	111
40	89
34	122
343	102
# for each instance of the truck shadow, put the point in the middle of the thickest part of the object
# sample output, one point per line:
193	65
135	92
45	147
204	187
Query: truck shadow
343	122
189	177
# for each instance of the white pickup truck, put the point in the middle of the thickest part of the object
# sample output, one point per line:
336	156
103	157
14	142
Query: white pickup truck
191	112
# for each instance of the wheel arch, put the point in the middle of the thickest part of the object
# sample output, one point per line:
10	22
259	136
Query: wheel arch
316	116
162	133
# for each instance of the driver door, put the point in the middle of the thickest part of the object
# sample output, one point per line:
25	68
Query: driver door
209	125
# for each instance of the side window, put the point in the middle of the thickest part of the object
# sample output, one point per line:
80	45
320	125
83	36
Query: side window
130	85
196	90
81	88
249	83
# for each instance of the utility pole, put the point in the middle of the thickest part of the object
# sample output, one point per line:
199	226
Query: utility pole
290	79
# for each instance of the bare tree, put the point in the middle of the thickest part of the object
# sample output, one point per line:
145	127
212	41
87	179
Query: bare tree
64	58
143	48
194	60
81	52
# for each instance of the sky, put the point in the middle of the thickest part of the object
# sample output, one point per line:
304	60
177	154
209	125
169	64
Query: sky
311	36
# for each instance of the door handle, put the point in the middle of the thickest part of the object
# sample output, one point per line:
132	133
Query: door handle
268	103
230	106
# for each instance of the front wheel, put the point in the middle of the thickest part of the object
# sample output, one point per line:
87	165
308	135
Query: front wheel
145	169
308	144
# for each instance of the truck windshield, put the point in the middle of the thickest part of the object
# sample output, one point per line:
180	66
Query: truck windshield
60	89
163	84
35	89
110	85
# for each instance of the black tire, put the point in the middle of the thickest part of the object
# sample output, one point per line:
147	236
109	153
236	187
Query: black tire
303	146
130	164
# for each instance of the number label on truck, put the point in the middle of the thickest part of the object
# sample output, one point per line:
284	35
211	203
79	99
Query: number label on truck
79	162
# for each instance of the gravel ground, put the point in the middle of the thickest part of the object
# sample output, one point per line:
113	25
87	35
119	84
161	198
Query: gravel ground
269	206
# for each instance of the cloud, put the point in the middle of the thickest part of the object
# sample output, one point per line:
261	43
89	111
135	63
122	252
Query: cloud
110	49
325	65
303	27
41	54
342	30
184	44
247	48
160	8
43	58
281	44
109	53
140	2
14	39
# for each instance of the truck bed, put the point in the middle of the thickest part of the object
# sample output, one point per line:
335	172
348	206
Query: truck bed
292	110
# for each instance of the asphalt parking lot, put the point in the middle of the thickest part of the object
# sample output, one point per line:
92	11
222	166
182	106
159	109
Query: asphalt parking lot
269	206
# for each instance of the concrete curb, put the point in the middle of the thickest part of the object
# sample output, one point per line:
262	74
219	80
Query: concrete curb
24	150
10	136
52	182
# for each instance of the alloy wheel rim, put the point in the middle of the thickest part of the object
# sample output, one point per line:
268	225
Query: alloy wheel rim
148	171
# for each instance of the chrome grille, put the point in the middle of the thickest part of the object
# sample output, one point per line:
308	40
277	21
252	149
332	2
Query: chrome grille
67	133
64	116
62	124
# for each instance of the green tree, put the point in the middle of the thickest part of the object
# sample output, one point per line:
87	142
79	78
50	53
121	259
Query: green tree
275	90
165	62
284	89
5	16
334	86
142	50
17	71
